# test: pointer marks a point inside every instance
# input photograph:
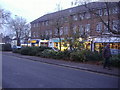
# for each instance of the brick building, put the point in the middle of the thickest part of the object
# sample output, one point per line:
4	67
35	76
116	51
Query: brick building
92	20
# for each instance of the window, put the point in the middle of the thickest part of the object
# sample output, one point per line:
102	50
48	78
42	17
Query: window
81	30
55	32
105	27
65	30
34	34
61	30
115	10
99	27
116	25
46	33
100	12
47	23
75	17
81	16
87	27
74	29
34	25
87	15
66	19
43	23
105	12
50	32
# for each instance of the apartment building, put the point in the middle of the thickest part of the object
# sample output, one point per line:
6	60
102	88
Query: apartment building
98	21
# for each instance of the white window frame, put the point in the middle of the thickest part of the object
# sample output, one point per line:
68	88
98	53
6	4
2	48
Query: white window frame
81	29
87	15
75	17
65	30
100	12
106	28
75	29
115	10
87	27
61	31
115	25
105	12
81	16
99	27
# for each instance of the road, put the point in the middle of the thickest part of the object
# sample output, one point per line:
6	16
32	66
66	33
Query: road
24	73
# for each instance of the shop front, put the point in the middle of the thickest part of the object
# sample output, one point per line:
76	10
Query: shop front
114	42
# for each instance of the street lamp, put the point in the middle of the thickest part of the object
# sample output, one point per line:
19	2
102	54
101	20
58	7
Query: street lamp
91	43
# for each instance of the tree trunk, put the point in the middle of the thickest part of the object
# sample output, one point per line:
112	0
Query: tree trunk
18	42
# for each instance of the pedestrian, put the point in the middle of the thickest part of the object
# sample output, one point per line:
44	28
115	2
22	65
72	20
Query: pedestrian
106	55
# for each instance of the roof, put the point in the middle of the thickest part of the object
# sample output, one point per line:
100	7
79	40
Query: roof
73	10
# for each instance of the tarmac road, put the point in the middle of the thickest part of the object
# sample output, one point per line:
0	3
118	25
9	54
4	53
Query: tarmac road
24	73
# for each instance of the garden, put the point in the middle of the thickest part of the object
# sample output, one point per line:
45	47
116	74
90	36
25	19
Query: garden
82	56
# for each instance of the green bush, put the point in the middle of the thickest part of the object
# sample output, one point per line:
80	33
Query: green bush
6	47
85	55
33	51
25	50
48	53
16	50
77	56
115	61
42	48
93	56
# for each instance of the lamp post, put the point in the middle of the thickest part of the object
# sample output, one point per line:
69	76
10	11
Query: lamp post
91	44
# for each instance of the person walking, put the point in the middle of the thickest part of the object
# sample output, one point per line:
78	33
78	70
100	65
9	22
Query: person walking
106	56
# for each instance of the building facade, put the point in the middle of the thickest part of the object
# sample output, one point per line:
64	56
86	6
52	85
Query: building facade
99	22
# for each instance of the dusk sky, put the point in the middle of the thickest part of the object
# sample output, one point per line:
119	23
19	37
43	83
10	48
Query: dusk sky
32	9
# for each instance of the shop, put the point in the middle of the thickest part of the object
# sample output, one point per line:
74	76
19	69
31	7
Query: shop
43	43
100	43
34	42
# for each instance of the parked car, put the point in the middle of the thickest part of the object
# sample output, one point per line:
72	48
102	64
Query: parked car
16	47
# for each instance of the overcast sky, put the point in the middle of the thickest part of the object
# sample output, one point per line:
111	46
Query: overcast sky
32	9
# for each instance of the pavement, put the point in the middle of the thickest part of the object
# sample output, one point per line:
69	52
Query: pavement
76	65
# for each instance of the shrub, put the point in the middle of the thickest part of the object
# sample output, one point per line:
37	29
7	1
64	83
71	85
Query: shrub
42	48
6	47
85	55
48	53
16	50
33	51
25	50
77	56
93	56
115	61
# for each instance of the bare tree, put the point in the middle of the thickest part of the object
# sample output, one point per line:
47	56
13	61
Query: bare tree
58	23
108	15
108	21
4	17
20	28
